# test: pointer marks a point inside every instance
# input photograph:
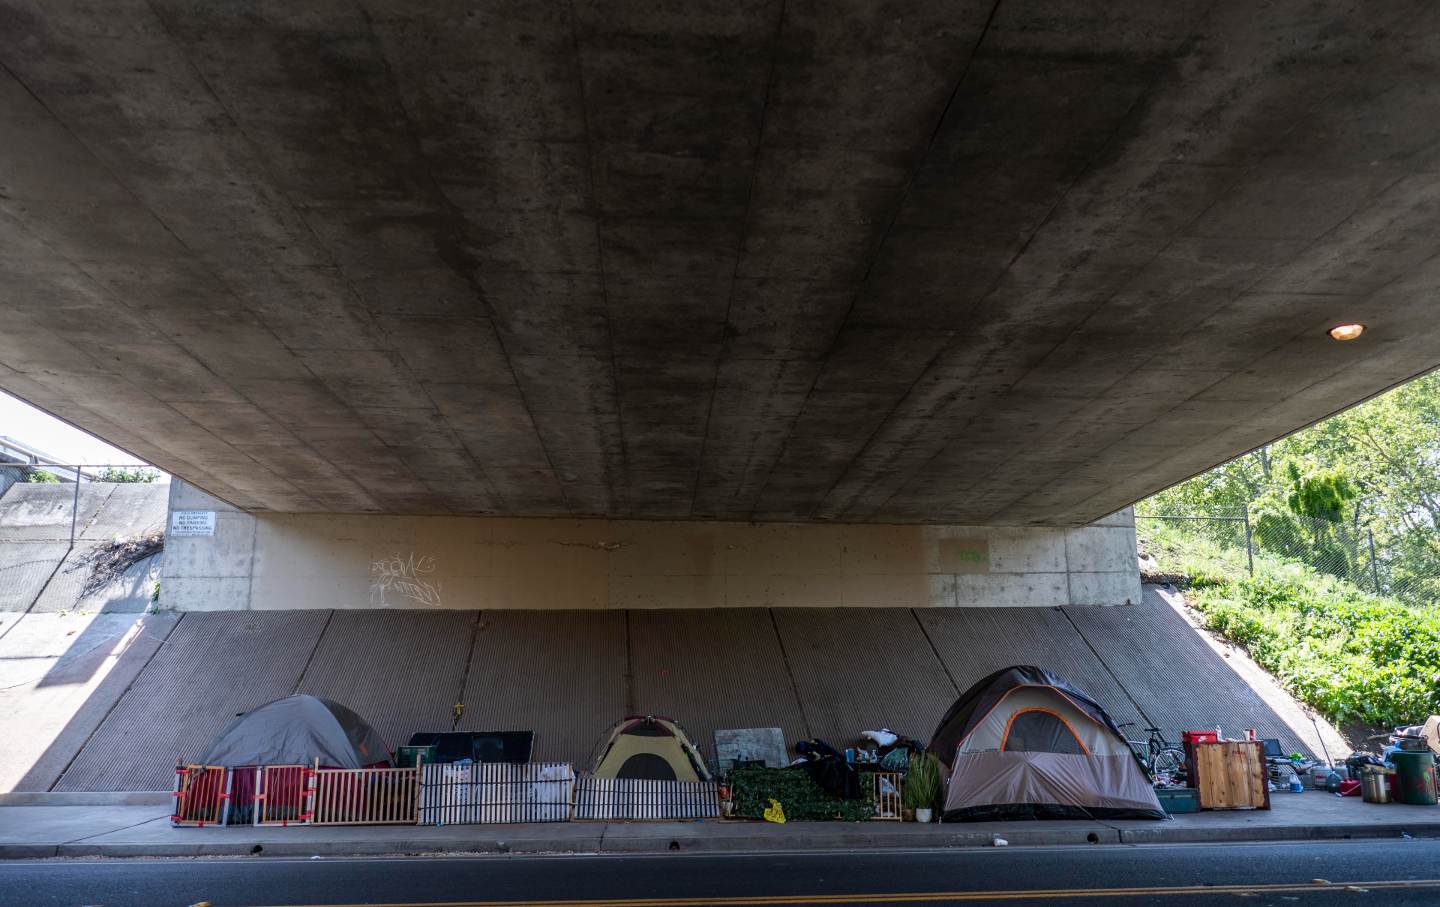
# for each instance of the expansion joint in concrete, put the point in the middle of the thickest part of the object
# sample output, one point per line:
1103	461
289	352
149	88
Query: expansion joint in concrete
790	673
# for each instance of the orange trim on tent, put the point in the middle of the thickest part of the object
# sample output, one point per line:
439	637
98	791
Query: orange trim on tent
1005	737
1024	686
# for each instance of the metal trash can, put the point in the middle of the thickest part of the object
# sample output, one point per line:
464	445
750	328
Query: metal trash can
1415	778
1375	784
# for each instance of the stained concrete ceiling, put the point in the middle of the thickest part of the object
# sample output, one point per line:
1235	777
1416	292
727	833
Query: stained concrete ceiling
981	262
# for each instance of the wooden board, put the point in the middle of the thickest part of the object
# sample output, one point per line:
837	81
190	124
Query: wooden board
1231	775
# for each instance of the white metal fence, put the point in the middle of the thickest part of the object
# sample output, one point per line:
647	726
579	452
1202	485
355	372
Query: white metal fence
487	793
633	798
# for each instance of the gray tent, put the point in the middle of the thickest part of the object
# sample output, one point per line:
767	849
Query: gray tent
297	730
1024	744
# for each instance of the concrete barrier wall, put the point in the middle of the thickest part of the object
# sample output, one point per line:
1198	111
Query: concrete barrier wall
41	570
282	561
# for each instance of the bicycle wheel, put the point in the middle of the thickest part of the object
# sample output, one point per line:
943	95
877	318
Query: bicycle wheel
1169	763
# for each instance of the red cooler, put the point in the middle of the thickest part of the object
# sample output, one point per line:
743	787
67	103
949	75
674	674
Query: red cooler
1188	739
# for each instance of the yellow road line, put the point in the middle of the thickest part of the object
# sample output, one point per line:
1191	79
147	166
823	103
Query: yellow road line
918	896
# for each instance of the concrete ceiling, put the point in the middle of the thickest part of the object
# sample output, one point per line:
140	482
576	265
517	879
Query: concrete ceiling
1014	262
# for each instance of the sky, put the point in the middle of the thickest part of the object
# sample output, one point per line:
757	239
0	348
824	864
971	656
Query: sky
25	423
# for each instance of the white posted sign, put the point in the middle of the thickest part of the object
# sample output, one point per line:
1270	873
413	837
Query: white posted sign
192	522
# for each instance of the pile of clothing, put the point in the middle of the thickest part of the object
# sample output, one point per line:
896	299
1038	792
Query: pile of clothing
839	776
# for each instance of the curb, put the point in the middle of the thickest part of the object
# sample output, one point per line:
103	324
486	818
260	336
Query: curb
1272	834
658	840
88	798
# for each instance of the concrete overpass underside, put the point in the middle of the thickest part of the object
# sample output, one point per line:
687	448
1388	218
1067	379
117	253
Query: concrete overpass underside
974	262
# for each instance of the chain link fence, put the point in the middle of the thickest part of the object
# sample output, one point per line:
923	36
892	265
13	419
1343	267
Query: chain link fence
1258	542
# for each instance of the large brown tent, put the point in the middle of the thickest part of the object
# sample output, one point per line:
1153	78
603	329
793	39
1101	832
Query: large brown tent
1022	743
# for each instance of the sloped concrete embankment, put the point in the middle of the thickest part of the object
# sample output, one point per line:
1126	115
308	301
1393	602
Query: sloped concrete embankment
170	682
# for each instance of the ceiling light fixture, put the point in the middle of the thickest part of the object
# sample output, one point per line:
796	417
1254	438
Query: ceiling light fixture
1347	331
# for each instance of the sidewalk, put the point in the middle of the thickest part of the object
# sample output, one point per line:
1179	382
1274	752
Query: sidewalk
116	826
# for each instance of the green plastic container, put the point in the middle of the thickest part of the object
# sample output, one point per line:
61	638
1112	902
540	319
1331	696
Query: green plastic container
1414	778
1178	799
405	755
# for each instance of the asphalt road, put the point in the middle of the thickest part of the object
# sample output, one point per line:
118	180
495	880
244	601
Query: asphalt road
1399	872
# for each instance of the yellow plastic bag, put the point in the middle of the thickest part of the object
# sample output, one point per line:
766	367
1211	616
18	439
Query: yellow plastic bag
775	812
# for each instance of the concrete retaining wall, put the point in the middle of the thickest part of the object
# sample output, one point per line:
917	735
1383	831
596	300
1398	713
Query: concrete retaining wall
109	702
39	568
283	561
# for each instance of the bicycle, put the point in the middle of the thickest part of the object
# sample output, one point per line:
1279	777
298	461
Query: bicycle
1162	760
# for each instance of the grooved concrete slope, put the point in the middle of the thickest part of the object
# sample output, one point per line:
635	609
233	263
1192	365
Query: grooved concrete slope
970	261
211	668
562	674
401	670
568	675
60	676
1170	671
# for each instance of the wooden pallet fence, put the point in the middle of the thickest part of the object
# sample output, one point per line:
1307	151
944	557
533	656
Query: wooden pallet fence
887	792
1232	775
365	796
282	795
202	795
634	798
487	793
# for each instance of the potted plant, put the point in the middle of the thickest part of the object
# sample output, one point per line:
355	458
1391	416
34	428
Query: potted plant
922	785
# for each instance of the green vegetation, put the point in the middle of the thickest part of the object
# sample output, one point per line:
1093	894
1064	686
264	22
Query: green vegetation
125	474
1345	522
922	781
1356	496
41	476
1353	656
754	786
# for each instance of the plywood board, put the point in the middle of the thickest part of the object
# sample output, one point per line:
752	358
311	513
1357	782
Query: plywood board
1231	775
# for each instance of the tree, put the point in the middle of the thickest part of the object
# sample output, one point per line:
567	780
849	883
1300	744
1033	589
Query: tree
1322	493
125	474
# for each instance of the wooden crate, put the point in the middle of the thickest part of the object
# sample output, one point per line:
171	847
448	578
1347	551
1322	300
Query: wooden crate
1231	775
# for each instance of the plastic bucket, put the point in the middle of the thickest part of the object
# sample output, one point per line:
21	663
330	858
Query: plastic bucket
1414	778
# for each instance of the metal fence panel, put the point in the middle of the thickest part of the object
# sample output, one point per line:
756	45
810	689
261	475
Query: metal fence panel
489	793
365	796
636	798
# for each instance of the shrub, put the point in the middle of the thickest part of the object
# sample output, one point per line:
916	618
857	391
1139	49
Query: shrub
922	781
1351	655
754	786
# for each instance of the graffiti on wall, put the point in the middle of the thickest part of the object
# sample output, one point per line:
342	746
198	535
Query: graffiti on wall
397	580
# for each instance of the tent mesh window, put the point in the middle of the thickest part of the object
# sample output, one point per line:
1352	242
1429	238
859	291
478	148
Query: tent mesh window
1040	731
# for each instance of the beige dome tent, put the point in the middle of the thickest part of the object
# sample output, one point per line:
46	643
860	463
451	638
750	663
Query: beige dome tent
1022	743
652	748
